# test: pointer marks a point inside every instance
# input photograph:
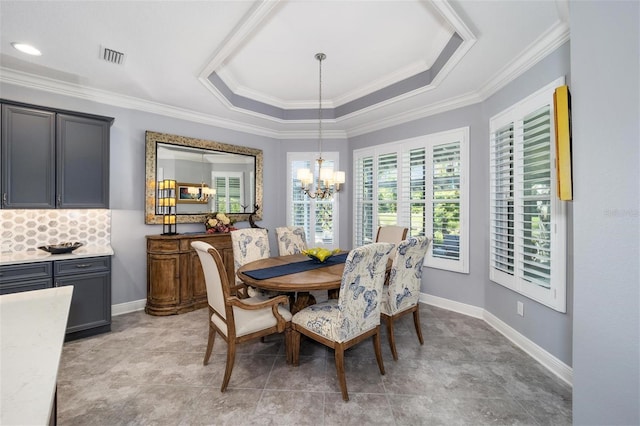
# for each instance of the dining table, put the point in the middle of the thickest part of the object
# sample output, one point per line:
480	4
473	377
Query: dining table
297	275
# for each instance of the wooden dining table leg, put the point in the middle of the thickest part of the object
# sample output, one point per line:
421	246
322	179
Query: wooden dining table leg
333	293
303	299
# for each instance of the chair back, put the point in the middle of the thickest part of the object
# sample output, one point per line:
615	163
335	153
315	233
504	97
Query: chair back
361	289
217	284
391	234
291	240
403	290
248	245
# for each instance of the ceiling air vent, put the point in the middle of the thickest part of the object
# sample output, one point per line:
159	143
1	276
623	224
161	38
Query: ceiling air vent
111	55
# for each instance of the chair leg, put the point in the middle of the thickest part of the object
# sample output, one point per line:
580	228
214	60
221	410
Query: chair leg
231	357
339	356
287	345
391	336
212	338
416	322
295	347
378	350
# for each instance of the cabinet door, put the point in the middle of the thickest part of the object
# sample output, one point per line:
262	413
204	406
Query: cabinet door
83	162
91	300
27	277
163	280
28	158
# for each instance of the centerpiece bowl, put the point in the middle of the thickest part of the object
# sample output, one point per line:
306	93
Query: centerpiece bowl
61	248
320	254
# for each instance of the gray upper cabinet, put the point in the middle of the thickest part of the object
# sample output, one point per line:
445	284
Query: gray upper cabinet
54	159
28	158
83	162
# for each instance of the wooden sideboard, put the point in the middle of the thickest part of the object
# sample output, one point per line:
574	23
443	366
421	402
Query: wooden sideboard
175	281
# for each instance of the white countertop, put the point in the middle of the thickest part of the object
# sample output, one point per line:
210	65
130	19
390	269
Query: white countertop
38	255
32	326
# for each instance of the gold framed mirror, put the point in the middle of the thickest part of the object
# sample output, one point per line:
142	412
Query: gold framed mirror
222	177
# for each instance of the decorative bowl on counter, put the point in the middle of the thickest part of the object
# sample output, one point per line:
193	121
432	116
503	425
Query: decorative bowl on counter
61	248
320	254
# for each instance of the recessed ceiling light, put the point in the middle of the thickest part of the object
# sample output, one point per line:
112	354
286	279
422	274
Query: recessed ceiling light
26	48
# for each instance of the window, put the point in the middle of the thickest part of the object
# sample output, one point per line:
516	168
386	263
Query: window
319	218
229	192
419	183
528	222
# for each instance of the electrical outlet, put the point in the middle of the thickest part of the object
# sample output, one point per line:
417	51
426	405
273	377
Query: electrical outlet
520	308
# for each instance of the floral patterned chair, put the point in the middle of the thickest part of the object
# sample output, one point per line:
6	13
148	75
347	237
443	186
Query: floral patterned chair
237	320
391	234
400	297
291	240
249	244
354	316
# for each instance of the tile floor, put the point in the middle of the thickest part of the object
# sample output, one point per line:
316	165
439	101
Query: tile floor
149	370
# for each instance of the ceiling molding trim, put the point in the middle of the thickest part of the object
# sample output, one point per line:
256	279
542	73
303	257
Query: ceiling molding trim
549	41
416	114
248	25
544	45
31	81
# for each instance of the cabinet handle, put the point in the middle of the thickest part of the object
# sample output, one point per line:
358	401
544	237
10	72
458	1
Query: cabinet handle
83	265
59	199
4	198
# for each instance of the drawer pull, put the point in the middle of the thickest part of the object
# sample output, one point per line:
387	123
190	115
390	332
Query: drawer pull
83	265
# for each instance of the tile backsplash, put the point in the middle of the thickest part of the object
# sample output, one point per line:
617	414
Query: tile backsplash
23	230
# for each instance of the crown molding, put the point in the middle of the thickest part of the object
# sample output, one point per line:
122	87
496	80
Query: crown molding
19	78
548	42
544	45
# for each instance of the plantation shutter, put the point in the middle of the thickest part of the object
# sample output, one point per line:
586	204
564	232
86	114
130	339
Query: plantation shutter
445	199
387	189
501	201
300	213
318	217
420	184
528	223
364	192
534	204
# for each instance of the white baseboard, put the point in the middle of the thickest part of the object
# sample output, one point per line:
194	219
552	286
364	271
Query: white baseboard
125	308
550	362
451	305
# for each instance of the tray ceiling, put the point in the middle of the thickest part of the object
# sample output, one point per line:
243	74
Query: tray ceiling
250	66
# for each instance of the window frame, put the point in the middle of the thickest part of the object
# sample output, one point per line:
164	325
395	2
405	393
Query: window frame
554	296
311	157
402	148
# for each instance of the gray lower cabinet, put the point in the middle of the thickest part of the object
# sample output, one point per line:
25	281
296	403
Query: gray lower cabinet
90	311
53	158
25	277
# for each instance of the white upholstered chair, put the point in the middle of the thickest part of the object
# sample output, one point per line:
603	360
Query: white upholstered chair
391	234
249	244
354	316
237	320
401	296
291	240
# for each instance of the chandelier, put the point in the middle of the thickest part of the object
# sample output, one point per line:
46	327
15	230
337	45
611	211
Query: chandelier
202	193
328	181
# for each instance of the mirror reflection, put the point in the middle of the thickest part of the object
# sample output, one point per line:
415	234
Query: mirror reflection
210	177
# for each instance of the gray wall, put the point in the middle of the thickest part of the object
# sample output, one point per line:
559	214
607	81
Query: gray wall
605	48
549	329
127	180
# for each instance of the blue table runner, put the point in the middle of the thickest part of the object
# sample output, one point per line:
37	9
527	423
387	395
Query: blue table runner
293	268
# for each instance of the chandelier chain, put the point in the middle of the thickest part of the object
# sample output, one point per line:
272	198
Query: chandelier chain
320	57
